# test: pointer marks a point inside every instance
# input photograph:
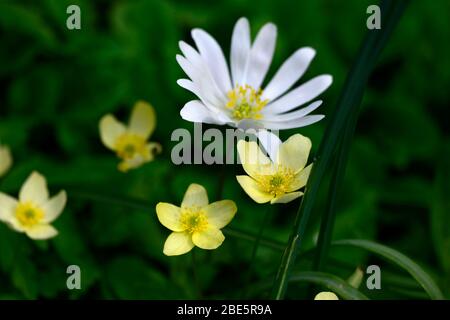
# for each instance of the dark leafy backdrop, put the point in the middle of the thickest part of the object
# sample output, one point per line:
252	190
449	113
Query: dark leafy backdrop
56	84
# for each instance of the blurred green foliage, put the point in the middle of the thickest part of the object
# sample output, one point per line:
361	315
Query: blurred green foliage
57	83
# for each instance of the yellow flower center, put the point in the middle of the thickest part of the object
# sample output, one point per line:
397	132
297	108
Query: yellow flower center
129	145
29	214
193	219
245	103
278	183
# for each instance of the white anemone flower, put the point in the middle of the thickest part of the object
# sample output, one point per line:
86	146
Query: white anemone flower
236	98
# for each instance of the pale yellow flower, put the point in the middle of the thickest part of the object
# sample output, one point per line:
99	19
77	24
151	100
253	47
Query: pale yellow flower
326	295
276	181
131	142
196	223
5	159
34	212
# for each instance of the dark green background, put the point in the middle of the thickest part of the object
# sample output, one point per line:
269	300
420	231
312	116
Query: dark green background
56	84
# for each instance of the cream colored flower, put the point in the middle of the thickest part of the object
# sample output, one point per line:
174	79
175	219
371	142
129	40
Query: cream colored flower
326	295
34	212
196	223
131	142
276	180
5	160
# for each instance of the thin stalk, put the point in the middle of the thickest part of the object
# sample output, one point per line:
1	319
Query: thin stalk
328	220
348	103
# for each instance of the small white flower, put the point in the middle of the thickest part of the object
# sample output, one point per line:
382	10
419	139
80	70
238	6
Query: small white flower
237	99
34	212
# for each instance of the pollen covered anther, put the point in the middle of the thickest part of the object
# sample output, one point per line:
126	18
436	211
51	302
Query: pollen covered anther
245	103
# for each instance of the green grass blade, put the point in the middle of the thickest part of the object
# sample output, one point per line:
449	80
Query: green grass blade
399	259
347	105
331	282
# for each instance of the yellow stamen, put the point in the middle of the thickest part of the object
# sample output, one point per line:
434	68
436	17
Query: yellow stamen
129	145
193	219
245	103
29	214
278	183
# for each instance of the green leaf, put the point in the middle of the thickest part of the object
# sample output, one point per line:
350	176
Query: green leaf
399	259
347	106
440	211
132	278
331	282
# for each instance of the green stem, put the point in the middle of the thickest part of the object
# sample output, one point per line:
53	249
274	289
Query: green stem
348	103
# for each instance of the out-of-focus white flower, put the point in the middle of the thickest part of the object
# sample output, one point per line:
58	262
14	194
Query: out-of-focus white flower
236	98
5	159
34	211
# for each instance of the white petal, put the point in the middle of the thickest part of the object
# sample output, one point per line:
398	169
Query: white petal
261	55
240	49
197	62
54	207
300	95
41	232
207	88
294	114
7	206
291	70
196	111
214	58
34	189
270	142
295	123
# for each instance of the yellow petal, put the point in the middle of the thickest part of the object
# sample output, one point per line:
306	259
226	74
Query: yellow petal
356	278
178	243
287	197
220	213
41	232
34	189
300	179
252	158
143	119
15	224
5	160
252	188
326	295
208	239
54	207
195	196
111	130
169	216
133	163
294	152
153	148
7	206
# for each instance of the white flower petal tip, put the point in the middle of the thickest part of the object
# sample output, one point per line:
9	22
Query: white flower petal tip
196	222
234	92
34	212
